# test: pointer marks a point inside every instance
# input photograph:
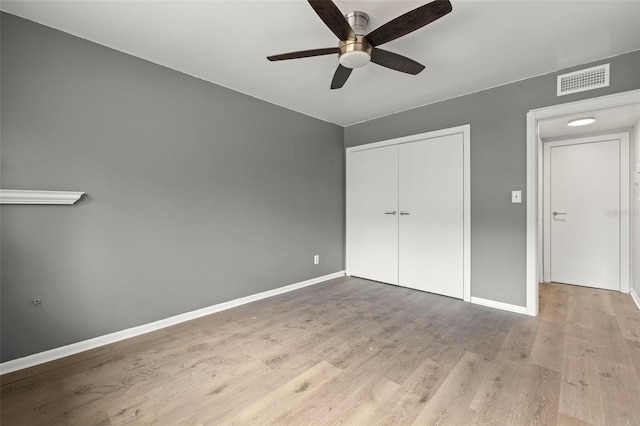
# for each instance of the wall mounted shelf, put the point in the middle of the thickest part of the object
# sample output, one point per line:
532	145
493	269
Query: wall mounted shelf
18	196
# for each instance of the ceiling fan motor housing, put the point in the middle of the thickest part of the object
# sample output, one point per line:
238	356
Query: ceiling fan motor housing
356	53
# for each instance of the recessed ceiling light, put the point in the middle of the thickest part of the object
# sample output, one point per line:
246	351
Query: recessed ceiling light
581	121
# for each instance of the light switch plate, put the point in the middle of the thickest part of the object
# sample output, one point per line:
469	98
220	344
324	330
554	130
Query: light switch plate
516	197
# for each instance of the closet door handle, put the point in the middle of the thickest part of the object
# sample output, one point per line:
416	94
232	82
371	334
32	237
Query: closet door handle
404	213
393	212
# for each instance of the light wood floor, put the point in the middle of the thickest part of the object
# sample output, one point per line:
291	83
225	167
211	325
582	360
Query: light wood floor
356	352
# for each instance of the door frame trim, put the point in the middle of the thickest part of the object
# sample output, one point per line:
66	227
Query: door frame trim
534	170
624	206
465	130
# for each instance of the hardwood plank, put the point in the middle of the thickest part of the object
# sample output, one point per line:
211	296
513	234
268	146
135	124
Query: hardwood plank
516	393
409	400
607	344
620	390
323	400
633	349
566	420
555	307
454	396
494	403
578	396
538	397
518	344
358	407
597	390
394	362
401	409
267	409
548	346
629	322
180	398
426	379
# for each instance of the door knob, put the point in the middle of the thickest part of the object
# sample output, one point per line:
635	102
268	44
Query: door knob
404	213
554	213
393	212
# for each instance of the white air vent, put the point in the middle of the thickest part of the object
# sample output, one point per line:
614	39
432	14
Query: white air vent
587	79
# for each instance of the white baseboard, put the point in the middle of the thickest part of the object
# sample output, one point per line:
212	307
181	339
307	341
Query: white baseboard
635	297
85	345
499	305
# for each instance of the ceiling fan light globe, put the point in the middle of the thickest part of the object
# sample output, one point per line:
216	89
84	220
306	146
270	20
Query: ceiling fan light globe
354	59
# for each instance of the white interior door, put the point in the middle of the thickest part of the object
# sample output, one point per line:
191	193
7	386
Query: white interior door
583	210
373	214
431	208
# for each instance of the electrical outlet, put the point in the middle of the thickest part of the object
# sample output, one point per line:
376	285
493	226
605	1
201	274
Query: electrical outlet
37	301
316	259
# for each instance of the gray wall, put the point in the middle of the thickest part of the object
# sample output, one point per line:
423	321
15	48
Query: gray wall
498	164
195	194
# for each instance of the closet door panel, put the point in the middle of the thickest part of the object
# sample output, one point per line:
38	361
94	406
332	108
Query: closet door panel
431	203
372	214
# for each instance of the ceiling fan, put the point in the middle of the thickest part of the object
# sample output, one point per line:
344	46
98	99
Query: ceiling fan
356	49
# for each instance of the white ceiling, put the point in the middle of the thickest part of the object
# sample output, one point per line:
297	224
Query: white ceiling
480	44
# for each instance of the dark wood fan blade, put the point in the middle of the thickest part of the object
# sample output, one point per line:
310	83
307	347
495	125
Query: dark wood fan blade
333	18
340	77
304	54
409	22
395	62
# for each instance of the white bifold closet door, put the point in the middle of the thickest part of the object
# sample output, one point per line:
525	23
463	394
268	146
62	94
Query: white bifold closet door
406	214
373	214
431	208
